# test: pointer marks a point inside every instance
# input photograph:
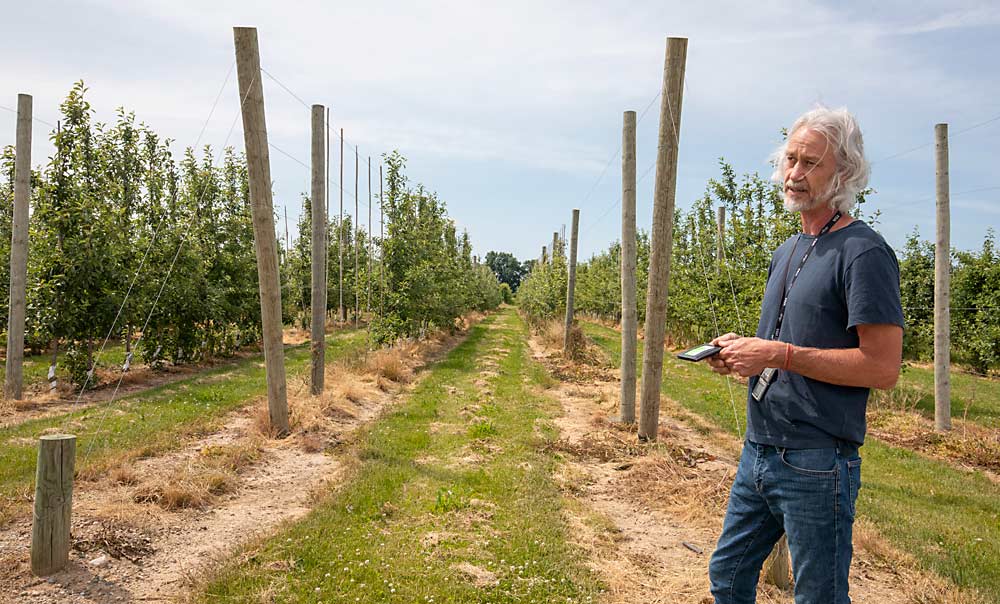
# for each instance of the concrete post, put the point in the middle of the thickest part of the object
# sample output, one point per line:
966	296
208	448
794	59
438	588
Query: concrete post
262	210
571	282
942	285
318	326
14	373
662	237
630	310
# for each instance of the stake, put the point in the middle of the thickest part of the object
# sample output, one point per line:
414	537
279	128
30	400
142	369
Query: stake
262	209
571	283
662	237
630	310
50	527
545	256
556	248
942	285
19	251
318	326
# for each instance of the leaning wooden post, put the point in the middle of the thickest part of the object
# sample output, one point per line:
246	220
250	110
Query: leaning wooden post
318	326
662	238
942	285
50	525
630	309
340	233
262	210
14	373
571	282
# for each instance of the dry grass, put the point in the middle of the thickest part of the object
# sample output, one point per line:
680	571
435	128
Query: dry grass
213	473
696	494
967	444
919	586
389	364
124	475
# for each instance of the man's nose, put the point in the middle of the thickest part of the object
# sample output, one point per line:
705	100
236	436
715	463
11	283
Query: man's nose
797	173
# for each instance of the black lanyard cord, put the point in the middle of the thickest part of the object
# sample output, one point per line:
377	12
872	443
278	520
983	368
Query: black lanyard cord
787	290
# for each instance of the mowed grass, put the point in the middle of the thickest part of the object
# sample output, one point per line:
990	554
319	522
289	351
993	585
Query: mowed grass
451	500
146	424
973	397
948	518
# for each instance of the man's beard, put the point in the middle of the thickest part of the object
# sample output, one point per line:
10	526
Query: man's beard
809	204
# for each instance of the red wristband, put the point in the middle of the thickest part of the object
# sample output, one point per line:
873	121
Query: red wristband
788	357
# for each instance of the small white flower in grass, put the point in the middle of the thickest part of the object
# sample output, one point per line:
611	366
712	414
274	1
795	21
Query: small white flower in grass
317	590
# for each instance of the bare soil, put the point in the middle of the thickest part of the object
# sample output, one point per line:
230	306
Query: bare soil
648	515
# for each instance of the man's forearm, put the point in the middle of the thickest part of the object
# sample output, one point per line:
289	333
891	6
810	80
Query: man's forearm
841	366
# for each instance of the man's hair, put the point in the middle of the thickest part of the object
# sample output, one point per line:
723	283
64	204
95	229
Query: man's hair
844	136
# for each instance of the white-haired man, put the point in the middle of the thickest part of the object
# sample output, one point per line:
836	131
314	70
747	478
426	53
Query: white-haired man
830	329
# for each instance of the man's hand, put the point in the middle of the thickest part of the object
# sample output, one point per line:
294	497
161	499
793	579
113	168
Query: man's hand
716	362
746	356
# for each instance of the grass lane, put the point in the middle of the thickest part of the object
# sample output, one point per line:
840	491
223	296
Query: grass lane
948	518
974	398
150	422
451	500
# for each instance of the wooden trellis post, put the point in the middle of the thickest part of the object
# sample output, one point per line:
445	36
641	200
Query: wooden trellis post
662	236
340	233
318	194
50	527
14	371
262	210
942	285
630	310
571	282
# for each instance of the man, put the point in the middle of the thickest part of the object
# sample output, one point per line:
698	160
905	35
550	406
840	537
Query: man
830	329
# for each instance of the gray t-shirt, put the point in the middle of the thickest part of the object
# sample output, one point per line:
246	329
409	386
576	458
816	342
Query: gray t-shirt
850	279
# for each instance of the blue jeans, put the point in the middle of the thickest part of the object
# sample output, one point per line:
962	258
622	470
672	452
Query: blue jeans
808	494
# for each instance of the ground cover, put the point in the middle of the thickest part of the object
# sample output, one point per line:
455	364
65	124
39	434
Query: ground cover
451	499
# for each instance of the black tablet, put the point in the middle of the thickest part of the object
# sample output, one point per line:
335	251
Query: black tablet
699	353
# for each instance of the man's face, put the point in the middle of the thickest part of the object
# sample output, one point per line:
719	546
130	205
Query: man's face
809	169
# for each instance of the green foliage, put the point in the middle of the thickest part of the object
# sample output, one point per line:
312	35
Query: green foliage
542	294
430	279
111	201
507	268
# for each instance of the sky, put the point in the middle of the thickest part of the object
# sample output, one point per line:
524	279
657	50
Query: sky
512	111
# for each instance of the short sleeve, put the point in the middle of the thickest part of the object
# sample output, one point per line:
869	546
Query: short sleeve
872	289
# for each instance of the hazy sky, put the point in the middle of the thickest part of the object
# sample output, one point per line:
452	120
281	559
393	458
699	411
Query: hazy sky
511	111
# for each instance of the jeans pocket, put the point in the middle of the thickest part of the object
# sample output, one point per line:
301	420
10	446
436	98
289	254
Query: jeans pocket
854	480
821	463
